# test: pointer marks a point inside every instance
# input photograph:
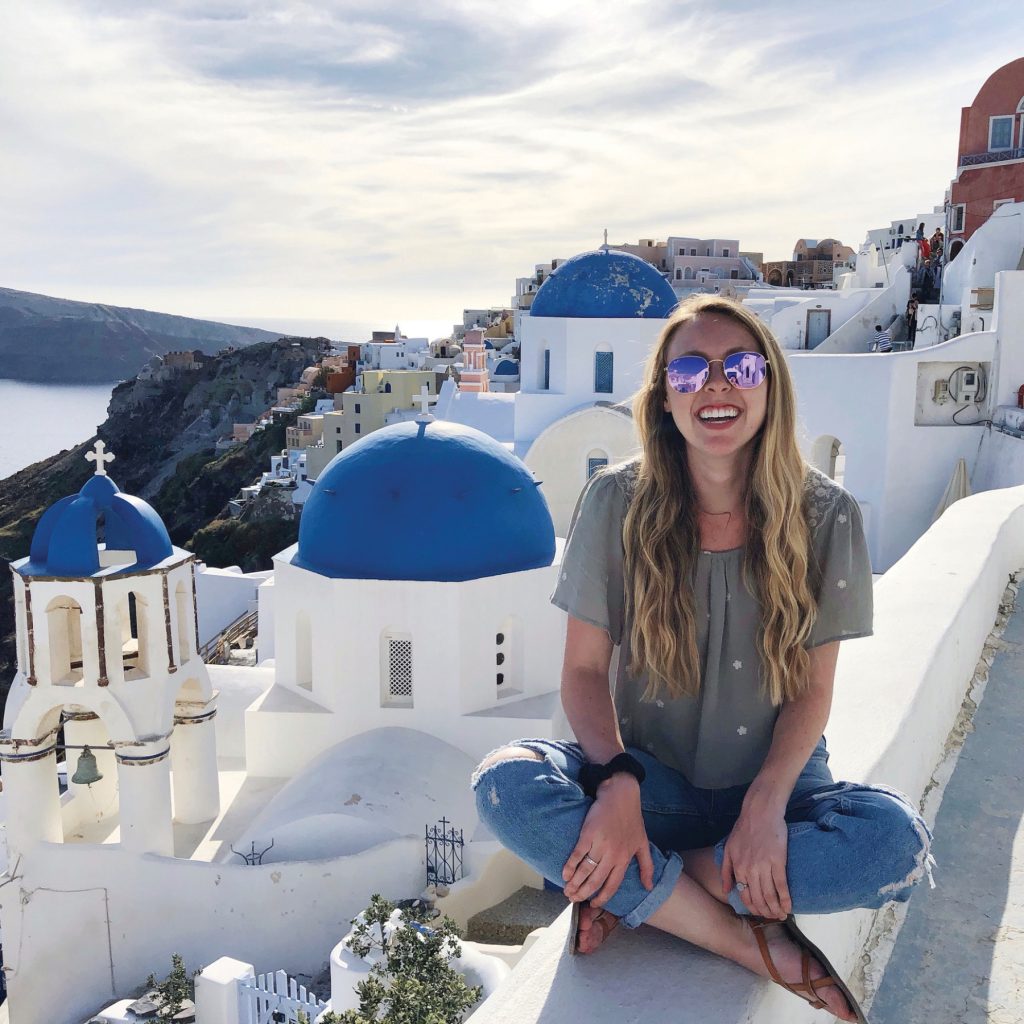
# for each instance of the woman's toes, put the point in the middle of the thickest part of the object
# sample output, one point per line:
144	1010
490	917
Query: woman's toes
594	927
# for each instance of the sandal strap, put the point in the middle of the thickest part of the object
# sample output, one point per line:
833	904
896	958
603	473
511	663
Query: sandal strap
808	988
607	921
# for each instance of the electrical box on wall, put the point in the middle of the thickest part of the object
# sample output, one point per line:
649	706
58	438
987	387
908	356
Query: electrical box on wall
951	394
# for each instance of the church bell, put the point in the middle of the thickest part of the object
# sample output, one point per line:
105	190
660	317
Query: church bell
86	772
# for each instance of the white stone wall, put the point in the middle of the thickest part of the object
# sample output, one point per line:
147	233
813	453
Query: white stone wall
126	913
224	595
453	629
559	456
896	469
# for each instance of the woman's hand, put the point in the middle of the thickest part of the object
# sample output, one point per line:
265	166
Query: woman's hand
755	853
613	834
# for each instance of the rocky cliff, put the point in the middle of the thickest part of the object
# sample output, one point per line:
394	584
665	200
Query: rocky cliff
61	341
163	436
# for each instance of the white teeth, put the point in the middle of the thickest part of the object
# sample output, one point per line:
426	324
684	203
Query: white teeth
718	414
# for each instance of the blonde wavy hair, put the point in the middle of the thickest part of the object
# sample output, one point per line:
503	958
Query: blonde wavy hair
662	539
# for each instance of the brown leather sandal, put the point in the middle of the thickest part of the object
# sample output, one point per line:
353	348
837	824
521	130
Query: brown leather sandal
607	921
808	988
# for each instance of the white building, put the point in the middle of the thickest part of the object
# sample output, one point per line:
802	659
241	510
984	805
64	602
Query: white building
905	229
400	354
583	345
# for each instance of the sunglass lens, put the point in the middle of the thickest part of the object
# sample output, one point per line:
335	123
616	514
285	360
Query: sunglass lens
745	369
688	374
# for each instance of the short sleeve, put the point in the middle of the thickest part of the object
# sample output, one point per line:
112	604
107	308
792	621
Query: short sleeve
590	584
845	583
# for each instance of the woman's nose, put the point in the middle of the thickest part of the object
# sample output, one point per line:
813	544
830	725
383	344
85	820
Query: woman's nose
716	375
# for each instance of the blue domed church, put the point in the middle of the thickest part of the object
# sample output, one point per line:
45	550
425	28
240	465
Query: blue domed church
417	596
583	347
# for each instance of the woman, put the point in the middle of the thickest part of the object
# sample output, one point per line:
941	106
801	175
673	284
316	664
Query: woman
699	799
912	305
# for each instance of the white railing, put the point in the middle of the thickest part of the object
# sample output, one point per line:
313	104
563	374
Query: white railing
267	996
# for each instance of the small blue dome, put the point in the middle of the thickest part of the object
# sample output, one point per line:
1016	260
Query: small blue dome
605	283
506	366
425	501
65	542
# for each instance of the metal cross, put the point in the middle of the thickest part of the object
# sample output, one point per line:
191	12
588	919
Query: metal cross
100	456
424	400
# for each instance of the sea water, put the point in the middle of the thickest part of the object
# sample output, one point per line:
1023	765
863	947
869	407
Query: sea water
39	420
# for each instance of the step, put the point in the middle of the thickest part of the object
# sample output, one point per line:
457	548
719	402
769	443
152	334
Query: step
509	922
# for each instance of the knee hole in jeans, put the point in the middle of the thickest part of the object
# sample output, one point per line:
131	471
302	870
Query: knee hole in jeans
512	753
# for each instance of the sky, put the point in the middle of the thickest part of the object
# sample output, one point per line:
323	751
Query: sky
387	162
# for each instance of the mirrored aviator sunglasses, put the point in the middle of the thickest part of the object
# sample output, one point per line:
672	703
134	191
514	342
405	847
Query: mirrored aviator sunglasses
688	374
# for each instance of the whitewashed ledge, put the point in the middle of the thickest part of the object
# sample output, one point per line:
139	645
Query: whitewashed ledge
898	694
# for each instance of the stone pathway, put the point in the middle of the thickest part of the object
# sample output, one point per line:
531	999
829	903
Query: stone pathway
959	957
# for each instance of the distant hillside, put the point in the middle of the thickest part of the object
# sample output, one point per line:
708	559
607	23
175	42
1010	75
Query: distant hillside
163	434
60	341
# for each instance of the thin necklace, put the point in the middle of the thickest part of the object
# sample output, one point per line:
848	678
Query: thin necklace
729	514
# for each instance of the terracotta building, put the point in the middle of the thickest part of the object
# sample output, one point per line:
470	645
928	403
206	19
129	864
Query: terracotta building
812	266
990	161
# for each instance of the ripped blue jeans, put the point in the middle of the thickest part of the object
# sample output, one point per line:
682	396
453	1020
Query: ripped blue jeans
850	845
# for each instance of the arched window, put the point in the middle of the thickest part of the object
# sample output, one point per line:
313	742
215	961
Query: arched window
596	459
134	615
21	632
679	274
64	629
303	651
545	369
604	370
689	274
396	669
184	616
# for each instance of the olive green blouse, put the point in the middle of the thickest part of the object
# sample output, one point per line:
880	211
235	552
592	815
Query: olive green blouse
721	737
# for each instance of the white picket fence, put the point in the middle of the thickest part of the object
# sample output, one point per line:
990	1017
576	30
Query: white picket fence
270	998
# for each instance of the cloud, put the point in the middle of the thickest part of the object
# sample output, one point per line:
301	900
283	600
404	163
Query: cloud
370	160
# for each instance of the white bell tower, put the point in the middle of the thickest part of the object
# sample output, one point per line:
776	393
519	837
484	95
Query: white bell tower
107	648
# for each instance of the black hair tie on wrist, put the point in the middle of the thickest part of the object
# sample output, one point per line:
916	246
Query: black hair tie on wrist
592	775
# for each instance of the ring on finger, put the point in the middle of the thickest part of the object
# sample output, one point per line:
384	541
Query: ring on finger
741	886
590	860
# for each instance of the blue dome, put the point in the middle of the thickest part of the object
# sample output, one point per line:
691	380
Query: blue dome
425	501
605	283
65	542
506	366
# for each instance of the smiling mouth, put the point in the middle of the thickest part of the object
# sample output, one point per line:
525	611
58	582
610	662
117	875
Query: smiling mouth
718	414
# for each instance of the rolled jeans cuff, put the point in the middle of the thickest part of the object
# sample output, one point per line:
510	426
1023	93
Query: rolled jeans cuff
661	892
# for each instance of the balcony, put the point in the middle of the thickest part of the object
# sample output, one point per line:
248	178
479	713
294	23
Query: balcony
995	156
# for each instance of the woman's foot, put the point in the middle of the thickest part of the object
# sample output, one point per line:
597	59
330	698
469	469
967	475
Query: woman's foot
595	926
787	957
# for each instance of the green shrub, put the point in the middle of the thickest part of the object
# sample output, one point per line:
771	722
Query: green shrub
413	982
